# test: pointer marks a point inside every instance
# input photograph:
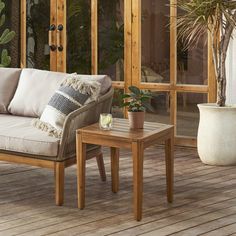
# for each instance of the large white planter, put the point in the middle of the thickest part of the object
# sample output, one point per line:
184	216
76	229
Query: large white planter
217	134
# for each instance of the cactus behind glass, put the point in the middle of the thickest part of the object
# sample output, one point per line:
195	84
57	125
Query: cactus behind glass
6	36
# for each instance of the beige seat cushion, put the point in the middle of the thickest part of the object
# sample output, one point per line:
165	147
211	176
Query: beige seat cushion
9	78
34	91
18	135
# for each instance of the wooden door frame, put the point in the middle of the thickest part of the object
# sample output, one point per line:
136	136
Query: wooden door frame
53	20
94	37
61	15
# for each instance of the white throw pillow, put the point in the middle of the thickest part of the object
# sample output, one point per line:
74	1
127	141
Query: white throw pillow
104	80
73	93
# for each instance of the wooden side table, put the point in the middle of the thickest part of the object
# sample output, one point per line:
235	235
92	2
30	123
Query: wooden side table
121	136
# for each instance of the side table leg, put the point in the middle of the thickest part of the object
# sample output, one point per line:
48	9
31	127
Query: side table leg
137	152
169	153
81	161
115	155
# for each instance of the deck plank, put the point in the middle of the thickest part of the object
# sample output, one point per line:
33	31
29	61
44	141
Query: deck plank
205	199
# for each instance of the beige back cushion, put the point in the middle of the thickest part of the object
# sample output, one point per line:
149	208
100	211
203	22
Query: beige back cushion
34	91
9	78
36	87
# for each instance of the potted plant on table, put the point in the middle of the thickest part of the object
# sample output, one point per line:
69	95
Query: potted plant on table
137	101
217	127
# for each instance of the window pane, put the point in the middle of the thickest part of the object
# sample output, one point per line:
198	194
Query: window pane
192	63
160	111
155	41
79	36
188	114
37	26
111	38
11	48
116	110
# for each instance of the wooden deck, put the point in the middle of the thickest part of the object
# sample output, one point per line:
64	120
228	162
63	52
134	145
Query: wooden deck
205	200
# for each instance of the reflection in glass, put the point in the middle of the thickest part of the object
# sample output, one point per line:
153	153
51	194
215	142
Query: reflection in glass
192	63
111	38
155	41
160	112
188	114
116	110
10	43
37	26
79	36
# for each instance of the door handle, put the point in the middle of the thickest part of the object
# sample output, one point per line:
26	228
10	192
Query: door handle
59	37
51	39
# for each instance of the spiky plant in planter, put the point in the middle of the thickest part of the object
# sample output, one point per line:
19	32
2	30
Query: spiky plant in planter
218	17
217	128
137	102
6	36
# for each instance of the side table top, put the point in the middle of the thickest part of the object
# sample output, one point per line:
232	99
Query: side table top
122	130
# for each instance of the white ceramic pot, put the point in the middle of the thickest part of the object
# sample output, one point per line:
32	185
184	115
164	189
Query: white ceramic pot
217	134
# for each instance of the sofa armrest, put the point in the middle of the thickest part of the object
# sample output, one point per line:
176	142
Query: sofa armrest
82	117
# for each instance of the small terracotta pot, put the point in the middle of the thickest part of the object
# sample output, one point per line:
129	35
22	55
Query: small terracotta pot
136	119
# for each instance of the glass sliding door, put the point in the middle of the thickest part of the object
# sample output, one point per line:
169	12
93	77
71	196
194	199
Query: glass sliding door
178	79
132	41
10	33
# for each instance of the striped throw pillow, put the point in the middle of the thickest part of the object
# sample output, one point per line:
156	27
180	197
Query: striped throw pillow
72	95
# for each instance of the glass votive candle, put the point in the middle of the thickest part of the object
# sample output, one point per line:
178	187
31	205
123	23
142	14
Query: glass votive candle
105	121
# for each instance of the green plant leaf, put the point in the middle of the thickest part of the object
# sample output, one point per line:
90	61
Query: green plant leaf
125	104
5	58
124	96
145	98
134	90
2	6
7	36
2	20
148	106
5	32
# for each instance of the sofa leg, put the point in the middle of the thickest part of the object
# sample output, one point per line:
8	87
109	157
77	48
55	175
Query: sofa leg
59	173
101	166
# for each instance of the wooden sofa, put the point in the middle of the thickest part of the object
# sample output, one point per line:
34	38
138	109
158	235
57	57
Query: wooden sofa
17	133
